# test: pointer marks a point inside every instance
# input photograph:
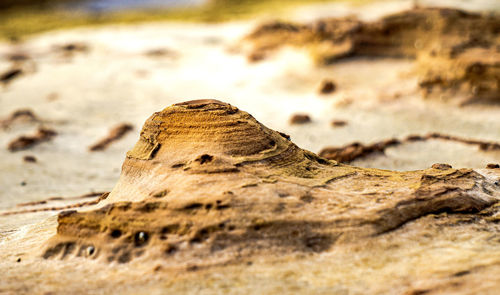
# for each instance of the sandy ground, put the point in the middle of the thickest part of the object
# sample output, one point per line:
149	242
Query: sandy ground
83	95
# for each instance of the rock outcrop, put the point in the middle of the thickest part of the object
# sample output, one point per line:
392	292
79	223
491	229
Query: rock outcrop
207	185
457	52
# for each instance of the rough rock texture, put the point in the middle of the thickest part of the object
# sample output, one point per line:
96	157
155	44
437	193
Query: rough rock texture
458	53
207	186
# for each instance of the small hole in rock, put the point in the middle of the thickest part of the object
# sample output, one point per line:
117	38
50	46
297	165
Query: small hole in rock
171	249
205	159
124	258
161	194
193	206
90	250
141	238
116	233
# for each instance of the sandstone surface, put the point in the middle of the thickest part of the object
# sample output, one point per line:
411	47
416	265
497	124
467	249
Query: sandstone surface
209	199
457	52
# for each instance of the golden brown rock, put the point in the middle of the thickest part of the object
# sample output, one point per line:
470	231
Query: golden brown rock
300	119
327	87
207	186
338	123
457	52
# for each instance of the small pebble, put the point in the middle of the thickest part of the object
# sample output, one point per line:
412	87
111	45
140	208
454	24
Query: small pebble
29	159
327	87
300	119
338	123
440	166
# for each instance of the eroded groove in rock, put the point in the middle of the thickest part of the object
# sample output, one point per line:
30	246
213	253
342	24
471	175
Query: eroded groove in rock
457	52
207	185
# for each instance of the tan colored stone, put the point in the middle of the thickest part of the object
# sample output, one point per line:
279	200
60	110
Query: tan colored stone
210	200
457	52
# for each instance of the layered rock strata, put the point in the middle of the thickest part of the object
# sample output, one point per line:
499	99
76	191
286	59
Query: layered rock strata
457	52
207	185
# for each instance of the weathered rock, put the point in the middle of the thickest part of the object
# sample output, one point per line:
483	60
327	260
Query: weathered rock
457	52
114	134
10	75
338	123
19	116
29	159
27	141
327	87
208	186
356	150
300	119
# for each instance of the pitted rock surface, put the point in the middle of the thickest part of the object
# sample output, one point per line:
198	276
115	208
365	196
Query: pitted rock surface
208	185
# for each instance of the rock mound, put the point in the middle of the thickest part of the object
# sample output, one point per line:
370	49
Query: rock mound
208	185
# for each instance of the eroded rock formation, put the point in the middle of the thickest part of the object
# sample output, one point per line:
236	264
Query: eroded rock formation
457	52
207	185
